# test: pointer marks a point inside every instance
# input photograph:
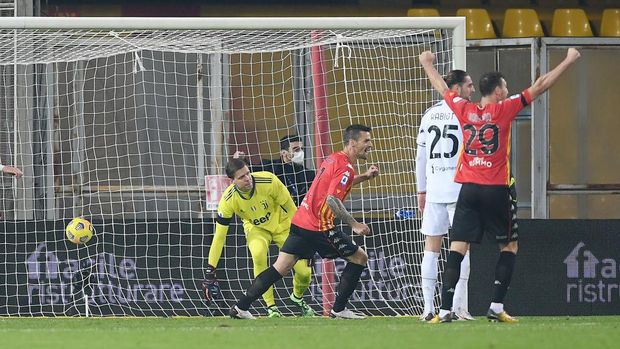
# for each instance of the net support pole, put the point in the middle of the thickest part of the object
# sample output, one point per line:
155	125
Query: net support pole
86	306
201	168
323	150
78	141
459	43
217	100
50	202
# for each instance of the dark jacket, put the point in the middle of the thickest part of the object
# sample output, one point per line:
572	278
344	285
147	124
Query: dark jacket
296	178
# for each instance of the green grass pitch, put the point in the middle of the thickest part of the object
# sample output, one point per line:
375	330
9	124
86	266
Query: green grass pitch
299	333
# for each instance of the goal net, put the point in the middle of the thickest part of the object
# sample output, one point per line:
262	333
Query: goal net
130	122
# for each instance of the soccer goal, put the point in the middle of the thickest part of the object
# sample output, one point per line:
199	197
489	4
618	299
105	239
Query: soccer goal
128	122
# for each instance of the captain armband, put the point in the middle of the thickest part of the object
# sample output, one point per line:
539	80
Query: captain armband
223	221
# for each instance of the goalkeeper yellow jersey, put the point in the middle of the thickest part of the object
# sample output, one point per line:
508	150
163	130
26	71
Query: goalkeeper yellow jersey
267	205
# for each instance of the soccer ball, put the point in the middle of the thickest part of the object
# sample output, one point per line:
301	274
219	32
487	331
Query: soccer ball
79	230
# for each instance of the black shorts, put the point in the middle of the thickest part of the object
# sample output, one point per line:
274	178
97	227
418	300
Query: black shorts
484	209
329	244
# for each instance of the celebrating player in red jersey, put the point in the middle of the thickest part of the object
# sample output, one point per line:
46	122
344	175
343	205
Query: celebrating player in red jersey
337	179
483	160
313	230
484	169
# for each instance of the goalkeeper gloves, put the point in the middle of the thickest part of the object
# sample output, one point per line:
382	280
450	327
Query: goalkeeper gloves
210	286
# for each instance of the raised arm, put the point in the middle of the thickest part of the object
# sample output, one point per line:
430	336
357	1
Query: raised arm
426	60
544	82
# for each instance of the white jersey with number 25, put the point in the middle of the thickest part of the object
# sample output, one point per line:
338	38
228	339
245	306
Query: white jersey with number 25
439	142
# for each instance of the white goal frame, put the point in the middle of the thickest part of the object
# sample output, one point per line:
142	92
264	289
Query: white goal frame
457	24
24	210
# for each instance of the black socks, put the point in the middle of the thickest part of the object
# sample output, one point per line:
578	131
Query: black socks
261	284
348	282
503	275
450	279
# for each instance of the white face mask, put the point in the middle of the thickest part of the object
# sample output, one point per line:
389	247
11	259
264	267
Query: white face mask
298	157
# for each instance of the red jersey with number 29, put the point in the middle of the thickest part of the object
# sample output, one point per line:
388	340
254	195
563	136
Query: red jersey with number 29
485	156
335	177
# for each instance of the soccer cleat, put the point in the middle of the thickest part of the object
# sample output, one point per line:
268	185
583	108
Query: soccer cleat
305	309
237	313
346	314
462	315
438	319
500	317
428	317
273	312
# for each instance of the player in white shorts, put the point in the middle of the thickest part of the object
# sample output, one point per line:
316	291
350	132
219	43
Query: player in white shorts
439	141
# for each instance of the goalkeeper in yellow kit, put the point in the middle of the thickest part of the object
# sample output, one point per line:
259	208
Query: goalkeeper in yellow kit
265	206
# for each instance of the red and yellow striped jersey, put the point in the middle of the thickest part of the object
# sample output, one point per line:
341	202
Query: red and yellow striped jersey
485	155
335	177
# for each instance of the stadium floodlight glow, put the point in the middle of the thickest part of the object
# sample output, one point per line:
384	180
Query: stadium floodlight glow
128	122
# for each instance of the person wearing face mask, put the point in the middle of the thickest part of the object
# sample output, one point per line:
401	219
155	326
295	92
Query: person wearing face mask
289	168
313	229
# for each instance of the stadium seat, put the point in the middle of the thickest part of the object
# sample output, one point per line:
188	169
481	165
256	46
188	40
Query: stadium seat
570	22
478	23
610	23
521	23
422	12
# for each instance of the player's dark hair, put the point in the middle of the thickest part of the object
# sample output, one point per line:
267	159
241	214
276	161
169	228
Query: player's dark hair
353	132
285	142
489	81
233	166
455	76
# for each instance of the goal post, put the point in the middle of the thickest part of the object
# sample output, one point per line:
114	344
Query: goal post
129	122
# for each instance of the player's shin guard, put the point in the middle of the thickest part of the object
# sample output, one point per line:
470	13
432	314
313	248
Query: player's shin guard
450	278
503	275
261	284
429	279
348	282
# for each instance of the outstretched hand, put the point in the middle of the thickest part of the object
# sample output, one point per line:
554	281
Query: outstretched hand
427	57
572	54
426	60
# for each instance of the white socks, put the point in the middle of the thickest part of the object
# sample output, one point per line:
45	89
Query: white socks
430	263
497	307
460	292
443	312
429	279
